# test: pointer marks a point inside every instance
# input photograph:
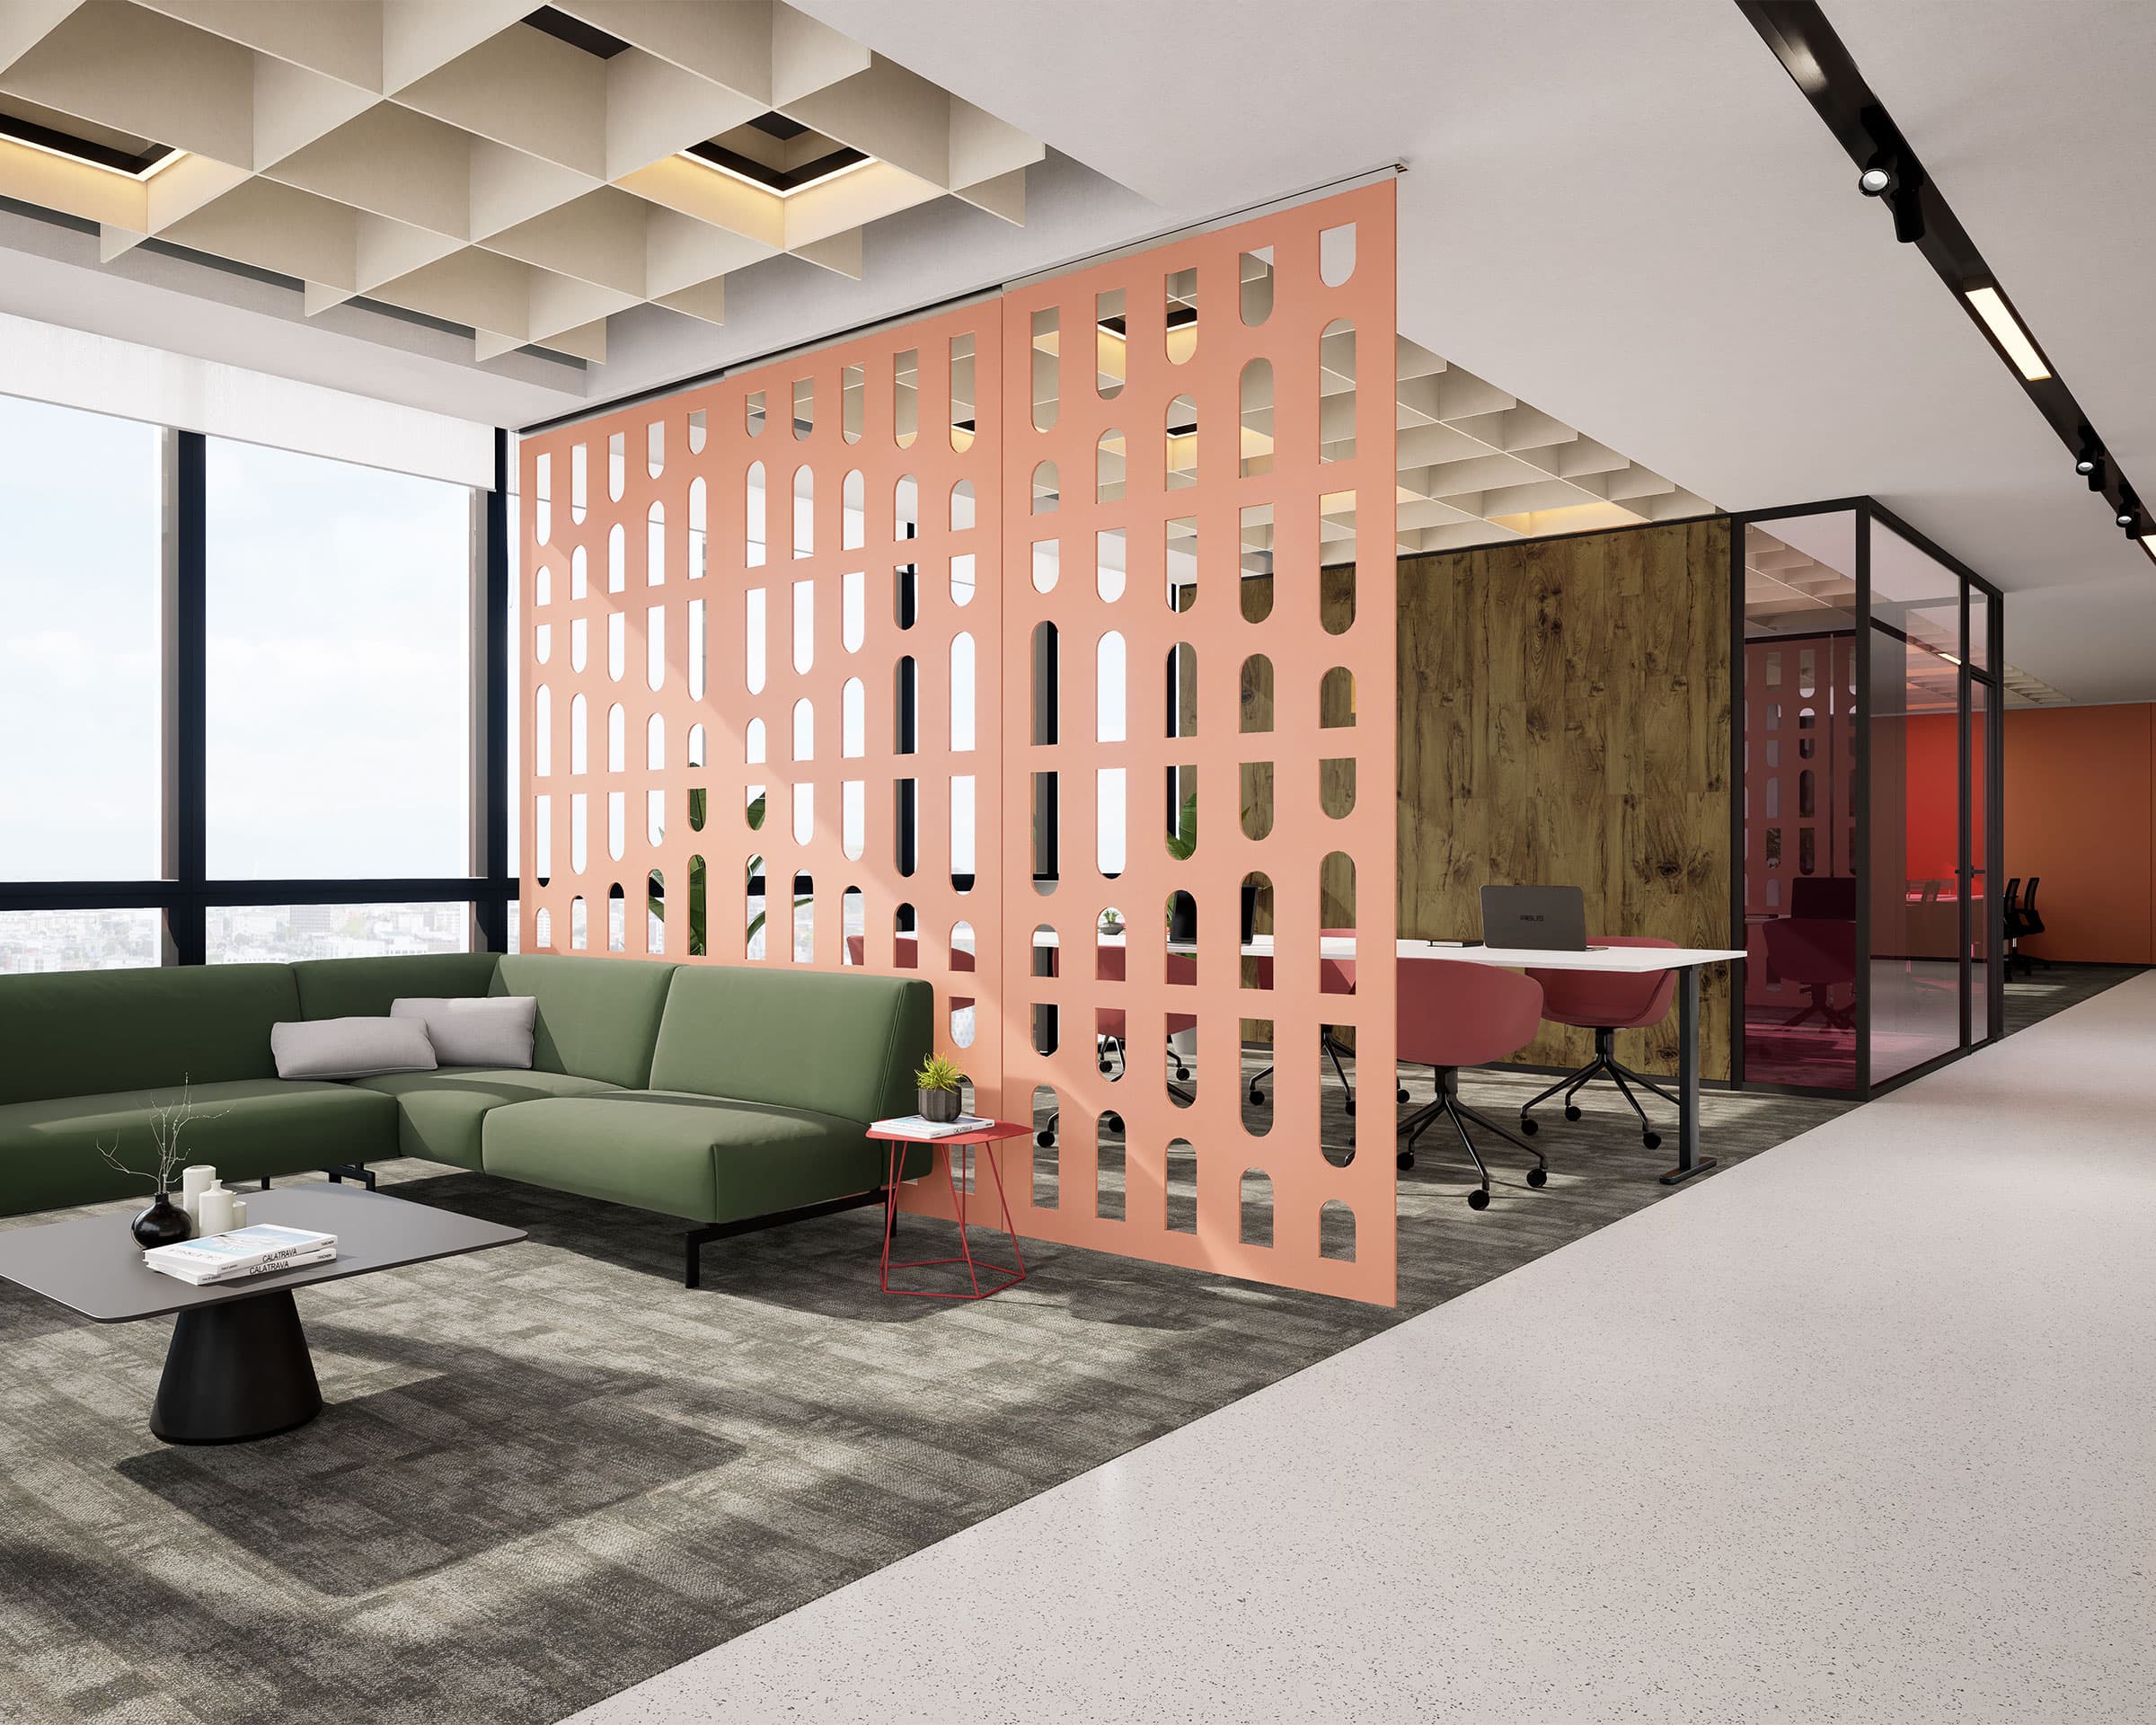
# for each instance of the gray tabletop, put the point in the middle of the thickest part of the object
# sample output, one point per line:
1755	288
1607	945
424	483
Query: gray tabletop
92	1264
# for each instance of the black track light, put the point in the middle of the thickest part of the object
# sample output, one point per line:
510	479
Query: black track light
2129	518
2089	464
1878	178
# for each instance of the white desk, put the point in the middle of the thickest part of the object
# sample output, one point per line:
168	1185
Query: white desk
1619	961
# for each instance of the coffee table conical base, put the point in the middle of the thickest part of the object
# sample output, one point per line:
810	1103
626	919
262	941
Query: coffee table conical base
234	1372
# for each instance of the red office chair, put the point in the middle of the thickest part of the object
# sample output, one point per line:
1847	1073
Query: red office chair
1818	953
1454	1015
1606	1002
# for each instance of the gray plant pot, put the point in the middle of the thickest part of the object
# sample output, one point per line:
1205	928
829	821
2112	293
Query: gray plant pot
938	1105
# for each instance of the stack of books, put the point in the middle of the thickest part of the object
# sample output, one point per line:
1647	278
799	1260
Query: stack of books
234	1257
912	1125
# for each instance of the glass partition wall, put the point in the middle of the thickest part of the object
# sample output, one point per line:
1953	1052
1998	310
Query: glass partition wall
1868	799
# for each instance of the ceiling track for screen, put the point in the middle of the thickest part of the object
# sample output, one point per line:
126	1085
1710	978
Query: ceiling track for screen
1815	56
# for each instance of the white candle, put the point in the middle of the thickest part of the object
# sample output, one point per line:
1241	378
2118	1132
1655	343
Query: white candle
239	1213
194	1180
213	1210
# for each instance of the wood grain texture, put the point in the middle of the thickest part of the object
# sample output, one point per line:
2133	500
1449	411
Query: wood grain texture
1565	719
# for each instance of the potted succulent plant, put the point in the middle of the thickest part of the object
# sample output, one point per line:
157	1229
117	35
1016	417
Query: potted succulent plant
937	1086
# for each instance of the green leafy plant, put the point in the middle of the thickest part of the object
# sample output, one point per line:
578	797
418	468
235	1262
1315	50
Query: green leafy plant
1183	840
937	1074
758	809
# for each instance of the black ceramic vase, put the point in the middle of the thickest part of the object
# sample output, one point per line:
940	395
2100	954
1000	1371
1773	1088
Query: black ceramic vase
938	1105
163	1223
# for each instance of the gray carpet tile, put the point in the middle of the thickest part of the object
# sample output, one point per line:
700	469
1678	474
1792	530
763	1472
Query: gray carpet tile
547	1473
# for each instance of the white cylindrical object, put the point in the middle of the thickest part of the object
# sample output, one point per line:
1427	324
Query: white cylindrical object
213	1210
239	1213
194	1180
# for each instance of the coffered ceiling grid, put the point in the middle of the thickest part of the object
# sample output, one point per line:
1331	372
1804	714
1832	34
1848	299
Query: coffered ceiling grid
457	158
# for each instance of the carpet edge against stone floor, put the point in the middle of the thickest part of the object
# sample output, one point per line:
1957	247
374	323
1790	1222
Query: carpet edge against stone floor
842	1415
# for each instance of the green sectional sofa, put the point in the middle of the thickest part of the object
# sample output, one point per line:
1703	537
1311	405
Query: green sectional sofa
726	1096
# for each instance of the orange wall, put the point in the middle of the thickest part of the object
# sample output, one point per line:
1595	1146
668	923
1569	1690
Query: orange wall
2079	812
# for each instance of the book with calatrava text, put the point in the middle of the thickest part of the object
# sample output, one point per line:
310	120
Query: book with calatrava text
240	1251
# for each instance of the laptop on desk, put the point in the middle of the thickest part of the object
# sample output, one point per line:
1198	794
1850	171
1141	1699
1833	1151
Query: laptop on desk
1543	919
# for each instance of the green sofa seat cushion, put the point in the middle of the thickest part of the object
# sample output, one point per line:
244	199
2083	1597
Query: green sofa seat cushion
97	1032
836	1044
439	1113
364	987
707	1158
597	1017
49	1153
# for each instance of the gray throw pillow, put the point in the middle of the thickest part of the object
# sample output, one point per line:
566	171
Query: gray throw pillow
480	1031
351	1048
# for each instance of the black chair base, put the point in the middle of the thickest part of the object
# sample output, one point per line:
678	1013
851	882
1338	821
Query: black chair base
1333	1051
1605	1064
1449	1105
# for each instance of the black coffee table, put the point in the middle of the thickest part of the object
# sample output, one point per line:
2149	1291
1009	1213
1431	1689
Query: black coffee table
238	1366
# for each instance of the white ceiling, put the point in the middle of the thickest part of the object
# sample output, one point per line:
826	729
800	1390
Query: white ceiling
1627	214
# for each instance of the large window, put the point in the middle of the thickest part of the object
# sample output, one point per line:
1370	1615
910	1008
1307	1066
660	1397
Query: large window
252	704
79	645
339	641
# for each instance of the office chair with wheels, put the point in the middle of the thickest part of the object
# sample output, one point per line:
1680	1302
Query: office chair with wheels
1818	953
1335	977
1112	1028
1606	1002
2032	923
1452	1015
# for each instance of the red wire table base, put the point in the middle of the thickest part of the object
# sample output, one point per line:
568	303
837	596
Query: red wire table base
1011	1274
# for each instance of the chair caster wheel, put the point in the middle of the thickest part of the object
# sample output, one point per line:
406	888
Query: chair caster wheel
1530	1126
1571	1109
1257	1096
1105	1066
1351	1105
1183	1072
1045	1140
1404	1160
1401	1094
1538	1176
1652	1140
1478	1200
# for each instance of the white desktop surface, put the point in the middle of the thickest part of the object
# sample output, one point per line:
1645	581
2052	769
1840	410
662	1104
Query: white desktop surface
1622	960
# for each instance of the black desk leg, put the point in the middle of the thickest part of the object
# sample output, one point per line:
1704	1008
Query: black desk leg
1689	1160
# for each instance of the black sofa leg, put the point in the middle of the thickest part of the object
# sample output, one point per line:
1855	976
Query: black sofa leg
693	1270
265	1182
348	1171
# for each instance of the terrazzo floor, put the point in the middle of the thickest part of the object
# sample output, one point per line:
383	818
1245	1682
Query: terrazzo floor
1860	1430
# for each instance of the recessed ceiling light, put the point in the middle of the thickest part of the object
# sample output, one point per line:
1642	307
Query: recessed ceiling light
749	173
139	165
2005	329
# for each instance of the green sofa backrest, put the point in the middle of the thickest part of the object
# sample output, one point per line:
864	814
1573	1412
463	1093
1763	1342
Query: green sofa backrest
840	1045
597	1017
364	987
88	1032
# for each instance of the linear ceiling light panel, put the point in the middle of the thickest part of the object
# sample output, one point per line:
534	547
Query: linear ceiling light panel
2005	329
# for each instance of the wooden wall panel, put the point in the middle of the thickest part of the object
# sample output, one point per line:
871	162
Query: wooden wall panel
1565	719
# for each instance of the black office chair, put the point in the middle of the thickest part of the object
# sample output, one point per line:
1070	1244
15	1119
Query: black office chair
2032	923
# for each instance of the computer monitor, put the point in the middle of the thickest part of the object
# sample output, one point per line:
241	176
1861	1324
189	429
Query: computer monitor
1546	919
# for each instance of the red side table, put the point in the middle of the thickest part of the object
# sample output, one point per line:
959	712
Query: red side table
993	1133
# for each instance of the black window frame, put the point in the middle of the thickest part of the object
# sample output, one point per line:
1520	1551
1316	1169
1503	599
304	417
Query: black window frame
187	893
